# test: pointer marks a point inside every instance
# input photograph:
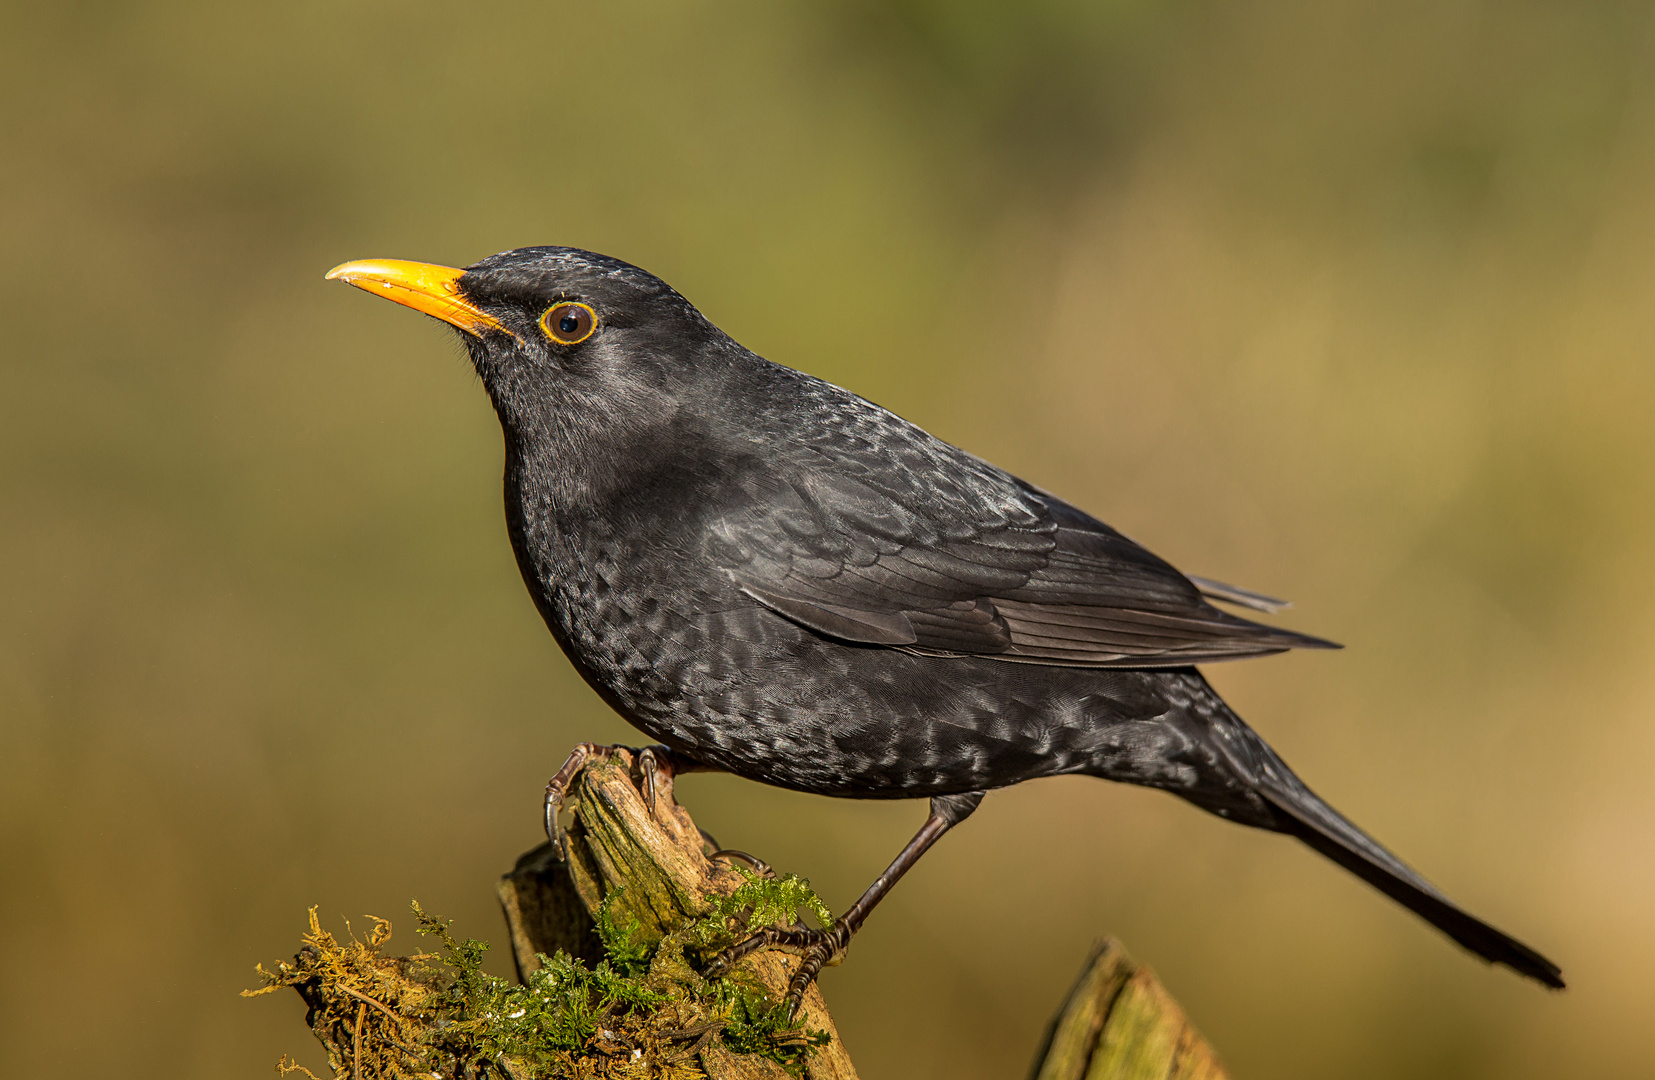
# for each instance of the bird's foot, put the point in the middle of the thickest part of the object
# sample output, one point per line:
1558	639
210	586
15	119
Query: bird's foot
817	949
760	867
655	764
557	788
658	764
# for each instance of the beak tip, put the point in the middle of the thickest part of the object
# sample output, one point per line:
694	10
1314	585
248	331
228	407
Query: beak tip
425	287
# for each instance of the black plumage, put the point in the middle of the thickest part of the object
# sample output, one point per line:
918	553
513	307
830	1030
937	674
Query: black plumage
777	578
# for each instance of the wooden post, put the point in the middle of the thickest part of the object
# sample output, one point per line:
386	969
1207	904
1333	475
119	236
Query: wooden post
655	868
1119	1023
647	870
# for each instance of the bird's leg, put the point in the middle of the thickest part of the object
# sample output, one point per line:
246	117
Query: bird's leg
825	947
653	762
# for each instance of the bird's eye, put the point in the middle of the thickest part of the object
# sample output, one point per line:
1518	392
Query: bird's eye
570	323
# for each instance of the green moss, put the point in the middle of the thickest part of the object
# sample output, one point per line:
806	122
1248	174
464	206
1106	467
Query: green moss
645	1010
757	902
623	938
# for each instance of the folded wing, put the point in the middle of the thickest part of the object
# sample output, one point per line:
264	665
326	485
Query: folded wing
975	562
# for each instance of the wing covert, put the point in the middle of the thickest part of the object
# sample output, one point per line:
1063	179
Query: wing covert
976	562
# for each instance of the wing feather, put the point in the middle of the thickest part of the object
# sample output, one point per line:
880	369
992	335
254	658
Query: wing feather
967	560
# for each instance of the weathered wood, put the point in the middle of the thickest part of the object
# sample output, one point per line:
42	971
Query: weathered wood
652	867
1119	1023
544	912
643	873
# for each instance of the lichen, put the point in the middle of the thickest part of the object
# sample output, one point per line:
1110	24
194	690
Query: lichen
646	1010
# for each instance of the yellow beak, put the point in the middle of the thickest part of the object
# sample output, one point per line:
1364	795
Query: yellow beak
424	287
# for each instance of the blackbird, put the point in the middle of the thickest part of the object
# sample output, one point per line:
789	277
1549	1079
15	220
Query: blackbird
779	579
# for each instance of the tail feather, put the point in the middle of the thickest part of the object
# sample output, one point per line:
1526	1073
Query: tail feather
1301	813
1250	784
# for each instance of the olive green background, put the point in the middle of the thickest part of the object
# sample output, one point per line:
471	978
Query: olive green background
1348	300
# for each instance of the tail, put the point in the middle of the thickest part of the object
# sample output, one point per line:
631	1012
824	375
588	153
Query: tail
1297	810
1319	825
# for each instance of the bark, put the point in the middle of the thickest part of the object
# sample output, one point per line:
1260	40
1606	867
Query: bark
1119	1023
656	868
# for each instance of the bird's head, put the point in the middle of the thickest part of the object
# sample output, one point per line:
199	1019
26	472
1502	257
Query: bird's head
579	352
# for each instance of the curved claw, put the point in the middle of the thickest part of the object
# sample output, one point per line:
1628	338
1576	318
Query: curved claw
658	762
651	763
827	950
727	959
558	787
760	867
818	949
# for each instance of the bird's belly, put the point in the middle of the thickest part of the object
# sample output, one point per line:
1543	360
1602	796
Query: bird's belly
753	694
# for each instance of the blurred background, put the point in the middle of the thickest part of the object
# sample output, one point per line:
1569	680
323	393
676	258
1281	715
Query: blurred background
1350	301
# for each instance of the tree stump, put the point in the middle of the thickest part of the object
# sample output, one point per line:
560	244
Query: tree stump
652	867
638	883
1119	1023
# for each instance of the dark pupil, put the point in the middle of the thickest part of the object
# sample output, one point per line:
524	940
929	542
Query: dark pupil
569	323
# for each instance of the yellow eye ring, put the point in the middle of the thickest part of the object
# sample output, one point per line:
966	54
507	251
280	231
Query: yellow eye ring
569	323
